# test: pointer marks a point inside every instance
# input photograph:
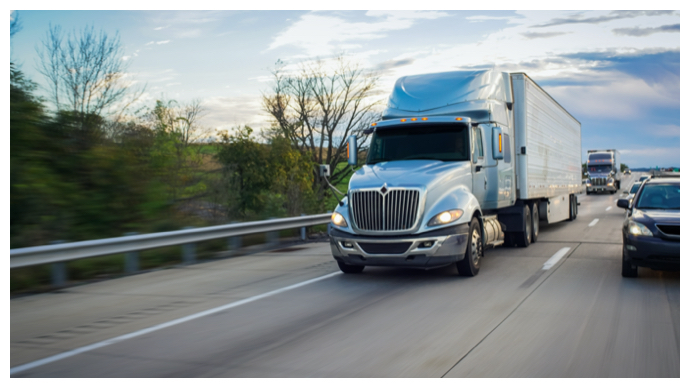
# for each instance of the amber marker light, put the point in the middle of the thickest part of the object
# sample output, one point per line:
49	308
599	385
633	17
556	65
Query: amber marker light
425	118
373	124
500	144
403	120
414	119
458	119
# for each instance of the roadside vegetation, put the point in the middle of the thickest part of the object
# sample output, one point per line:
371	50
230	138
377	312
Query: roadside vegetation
84	164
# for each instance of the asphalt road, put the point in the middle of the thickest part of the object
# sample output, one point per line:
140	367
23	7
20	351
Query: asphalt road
517	318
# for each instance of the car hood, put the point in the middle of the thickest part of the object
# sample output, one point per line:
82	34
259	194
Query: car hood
657	216
406	173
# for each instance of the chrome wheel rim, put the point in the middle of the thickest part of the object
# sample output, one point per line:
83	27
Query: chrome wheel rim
535	223
528	230
474	247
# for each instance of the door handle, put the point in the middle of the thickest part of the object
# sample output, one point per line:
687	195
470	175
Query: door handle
484	183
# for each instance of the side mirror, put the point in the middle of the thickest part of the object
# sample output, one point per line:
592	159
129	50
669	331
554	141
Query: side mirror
497	142
623	203
626	192
352	150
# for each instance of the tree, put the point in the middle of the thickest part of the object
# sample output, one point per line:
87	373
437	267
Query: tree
15	26
317	108
624	167
85	72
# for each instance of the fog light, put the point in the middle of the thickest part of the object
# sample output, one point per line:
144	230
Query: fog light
347	244
630	248
427	244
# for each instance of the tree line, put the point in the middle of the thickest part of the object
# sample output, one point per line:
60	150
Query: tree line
84	164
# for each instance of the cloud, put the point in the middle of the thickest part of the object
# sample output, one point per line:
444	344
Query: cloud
538	35
160	28
614	15
637	31
392	64
484	18
226	112
322	34
163	42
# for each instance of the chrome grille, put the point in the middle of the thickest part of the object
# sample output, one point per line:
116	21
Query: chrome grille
394	209
598	181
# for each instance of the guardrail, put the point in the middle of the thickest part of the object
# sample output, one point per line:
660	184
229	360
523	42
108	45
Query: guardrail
58	254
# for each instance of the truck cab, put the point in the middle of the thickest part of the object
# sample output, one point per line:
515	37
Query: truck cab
441	179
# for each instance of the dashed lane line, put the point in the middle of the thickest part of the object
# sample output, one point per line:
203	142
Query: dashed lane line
594	222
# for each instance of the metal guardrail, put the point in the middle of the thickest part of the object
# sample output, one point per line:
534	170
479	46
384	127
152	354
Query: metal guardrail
59	253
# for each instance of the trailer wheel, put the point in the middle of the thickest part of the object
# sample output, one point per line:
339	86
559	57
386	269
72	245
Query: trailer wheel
524	237
573	208
469	266
346	268
535	221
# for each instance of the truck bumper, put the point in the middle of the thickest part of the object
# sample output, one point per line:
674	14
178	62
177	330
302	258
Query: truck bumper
448	246
601	189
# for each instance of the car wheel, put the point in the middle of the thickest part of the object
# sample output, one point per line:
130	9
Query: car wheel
628	270
588	193
469	266
524	237
535	221
346	268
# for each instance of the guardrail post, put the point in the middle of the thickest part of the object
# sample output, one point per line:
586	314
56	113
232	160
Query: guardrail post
235	242
131	258
272	237
303	231
189	251
58	270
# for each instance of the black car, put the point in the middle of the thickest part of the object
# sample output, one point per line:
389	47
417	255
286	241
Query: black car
651	231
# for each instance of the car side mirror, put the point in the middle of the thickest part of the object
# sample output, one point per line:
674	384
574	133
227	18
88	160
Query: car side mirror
626	192
623	203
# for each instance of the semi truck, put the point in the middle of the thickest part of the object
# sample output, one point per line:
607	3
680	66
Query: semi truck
603	171
461	161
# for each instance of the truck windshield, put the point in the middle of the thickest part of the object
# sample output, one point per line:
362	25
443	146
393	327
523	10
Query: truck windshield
445	142
600	169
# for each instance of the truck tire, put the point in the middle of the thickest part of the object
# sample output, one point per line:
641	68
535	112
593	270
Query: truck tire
573	208
535	221
346	268
524	237
469	266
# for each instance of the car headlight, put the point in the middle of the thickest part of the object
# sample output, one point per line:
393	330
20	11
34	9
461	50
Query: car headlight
445	217
338	219
637	229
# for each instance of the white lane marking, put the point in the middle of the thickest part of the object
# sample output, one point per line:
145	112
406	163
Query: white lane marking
83	349
555	258
608	208
594	222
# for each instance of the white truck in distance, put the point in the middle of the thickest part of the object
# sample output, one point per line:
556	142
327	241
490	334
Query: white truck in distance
461	161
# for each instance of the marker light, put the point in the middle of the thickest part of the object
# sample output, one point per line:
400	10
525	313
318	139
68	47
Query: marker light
403	120
425	118
373	124
414	119
458	119
500	143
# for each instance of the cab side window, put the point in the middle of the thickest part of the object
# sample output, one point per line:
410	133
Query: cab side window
478	144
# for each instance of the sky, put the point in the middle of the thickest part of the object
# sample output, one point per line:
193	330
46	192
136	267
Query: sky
617	72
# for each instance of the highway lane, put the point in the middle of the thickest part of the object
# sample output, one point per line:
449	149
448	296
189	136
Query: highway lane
579	318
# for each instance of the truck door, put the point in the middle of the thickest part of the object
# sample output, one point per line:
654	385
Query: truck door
479	179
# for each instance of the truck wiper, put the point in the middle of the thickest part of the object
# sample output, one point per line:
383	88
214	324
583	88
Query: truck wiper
377	161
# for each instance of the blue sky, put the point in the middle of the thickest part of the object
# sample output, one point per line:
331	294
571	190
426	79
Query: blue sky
617	72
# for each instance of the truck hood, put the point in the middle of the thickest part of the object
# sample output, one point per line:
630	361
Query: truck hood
407	173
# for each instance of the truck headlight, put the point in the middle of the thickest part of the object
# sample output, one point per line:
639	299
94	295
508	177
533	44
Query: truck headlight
338	219
637	229
445	217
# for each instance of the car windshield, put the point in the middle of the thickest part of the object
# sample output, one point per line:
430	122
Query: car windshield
664	196
635	187
445	142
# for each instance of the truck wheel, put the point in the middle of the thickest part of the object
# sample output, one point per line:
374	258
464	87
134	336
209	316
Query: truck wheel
535	221
628	271
573	208
469	266
524	237
346	268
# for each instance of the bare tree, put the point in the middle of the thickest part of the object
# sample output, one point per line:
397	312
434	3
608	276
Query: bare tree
15	26
317	109
85	72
